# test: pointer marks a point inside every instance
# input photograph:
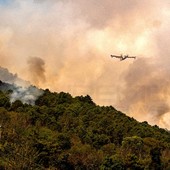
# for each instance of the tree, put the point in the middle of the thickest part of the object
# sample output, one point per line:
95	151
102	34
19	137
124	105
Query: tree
20	156
4	100
112	164
156	163
133	145
16	105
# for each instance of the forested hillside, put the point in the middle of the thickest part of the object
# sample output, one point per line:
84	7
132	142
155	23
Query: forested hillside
66	133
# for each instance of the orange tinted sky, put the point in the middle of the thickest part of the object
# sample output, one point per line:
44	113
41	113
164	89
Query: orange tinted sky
65	45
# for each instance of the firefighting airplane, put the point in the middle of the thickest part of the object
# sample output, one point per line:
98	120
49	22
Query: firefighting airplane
123	57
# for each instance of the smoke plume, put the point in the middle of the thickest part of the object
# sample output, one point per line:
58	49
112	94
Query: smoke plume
21	89
36	69
146	91
11	78
26	94
6	76
75	39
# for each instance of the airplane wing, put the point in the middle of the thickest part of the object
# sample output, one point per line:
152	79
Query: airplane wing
116	56
132	57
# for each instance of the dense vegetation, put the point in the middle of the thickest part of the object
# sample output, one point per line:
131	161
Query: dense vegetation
66	133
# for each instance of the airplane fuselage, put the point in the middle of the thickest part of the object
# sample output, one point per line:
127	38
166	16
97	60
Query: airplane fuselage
123	57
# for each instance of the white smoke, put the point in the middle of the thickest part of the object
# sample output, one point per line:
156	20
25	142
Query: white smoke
21	89
26	94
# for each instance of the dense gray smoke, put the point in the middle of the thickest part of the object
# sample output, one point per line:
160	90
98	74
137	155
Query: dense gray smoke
75	39
11	78
36	69
6	76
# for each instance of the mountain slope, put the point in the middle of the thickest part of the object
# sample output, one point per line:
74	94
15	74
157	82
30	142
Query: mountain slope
65	132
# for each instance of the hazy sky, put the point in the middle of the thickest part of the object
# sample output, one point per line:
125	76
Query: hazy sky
65	45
